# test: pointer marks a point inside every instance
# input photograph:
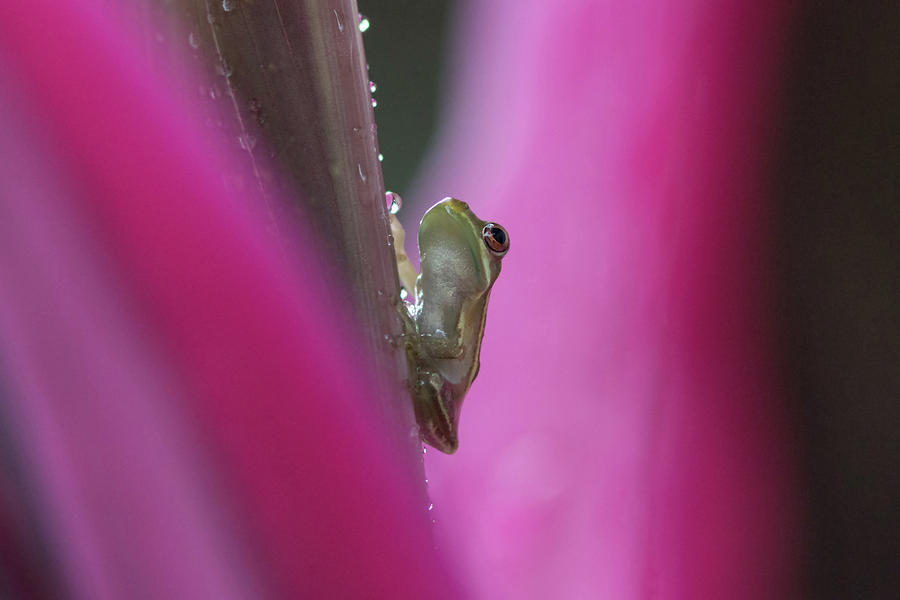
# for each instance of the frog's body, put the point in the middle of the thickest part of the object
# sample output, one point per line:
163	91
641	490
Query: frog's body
460	259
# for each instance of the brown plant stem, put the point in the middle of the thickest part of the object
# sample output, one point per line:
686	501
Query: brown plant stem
294	75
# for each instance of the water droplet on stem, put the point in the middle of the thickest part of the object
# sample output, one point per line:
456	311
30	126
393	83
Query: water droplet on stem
394	202
224	69
247	142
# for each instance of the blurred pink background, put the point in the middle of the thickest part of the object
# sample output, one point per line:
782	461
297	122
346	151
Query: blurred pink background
180	412
624	438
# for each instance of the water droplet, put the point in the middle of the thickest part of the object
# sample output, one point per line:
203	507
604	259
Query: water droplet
363	23
362	175
247	142
430	506
374	102
426	481
224	69
337	18
394	202
380	157
372	87
229	5
404	294
424	449
193	40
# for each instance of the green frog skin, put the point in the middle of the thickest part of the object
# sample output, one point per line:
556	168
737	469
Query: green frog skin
460	258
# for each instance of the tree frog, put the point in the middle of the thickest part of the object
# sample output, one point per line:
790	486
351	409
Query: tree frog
460	257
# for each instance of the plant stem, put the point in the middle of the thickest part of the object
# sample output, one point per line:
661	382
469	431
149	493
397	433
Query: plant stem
294	74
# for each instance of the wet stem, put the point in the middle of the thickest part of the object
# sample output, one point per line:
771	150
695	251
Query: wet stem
293	74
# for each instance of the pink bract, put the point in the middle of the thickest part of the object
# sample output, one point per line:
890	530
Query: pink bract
625	437
187	426
185	420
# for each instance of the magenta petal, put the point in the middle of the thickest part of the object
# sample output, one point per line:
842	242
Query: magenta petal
192	426
625	437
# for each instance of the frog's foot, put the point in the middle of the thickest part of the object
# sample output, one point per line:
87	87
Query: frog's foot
435	413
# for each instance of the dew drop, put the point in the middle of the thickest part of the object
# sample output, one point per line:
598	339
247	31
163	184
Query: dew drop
372	87
224	69
380	157
394	202
424	450
337	18
430	506
374	102
363	23
362	175
247	142
193	40
229	5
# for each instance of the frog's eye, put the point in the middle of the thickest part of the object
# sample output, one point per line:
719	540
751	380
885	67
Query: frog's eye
495	239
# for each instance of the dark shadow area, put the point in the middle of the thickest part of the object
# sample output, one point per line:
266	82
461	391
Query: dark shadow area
405	48
839	303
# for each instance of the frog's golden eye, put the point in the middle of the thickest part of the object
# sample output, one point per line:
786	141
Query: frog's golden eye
495	238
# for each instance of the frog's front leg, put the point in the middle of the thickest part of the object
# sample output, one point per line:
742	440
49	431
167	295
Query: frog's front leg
405	270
